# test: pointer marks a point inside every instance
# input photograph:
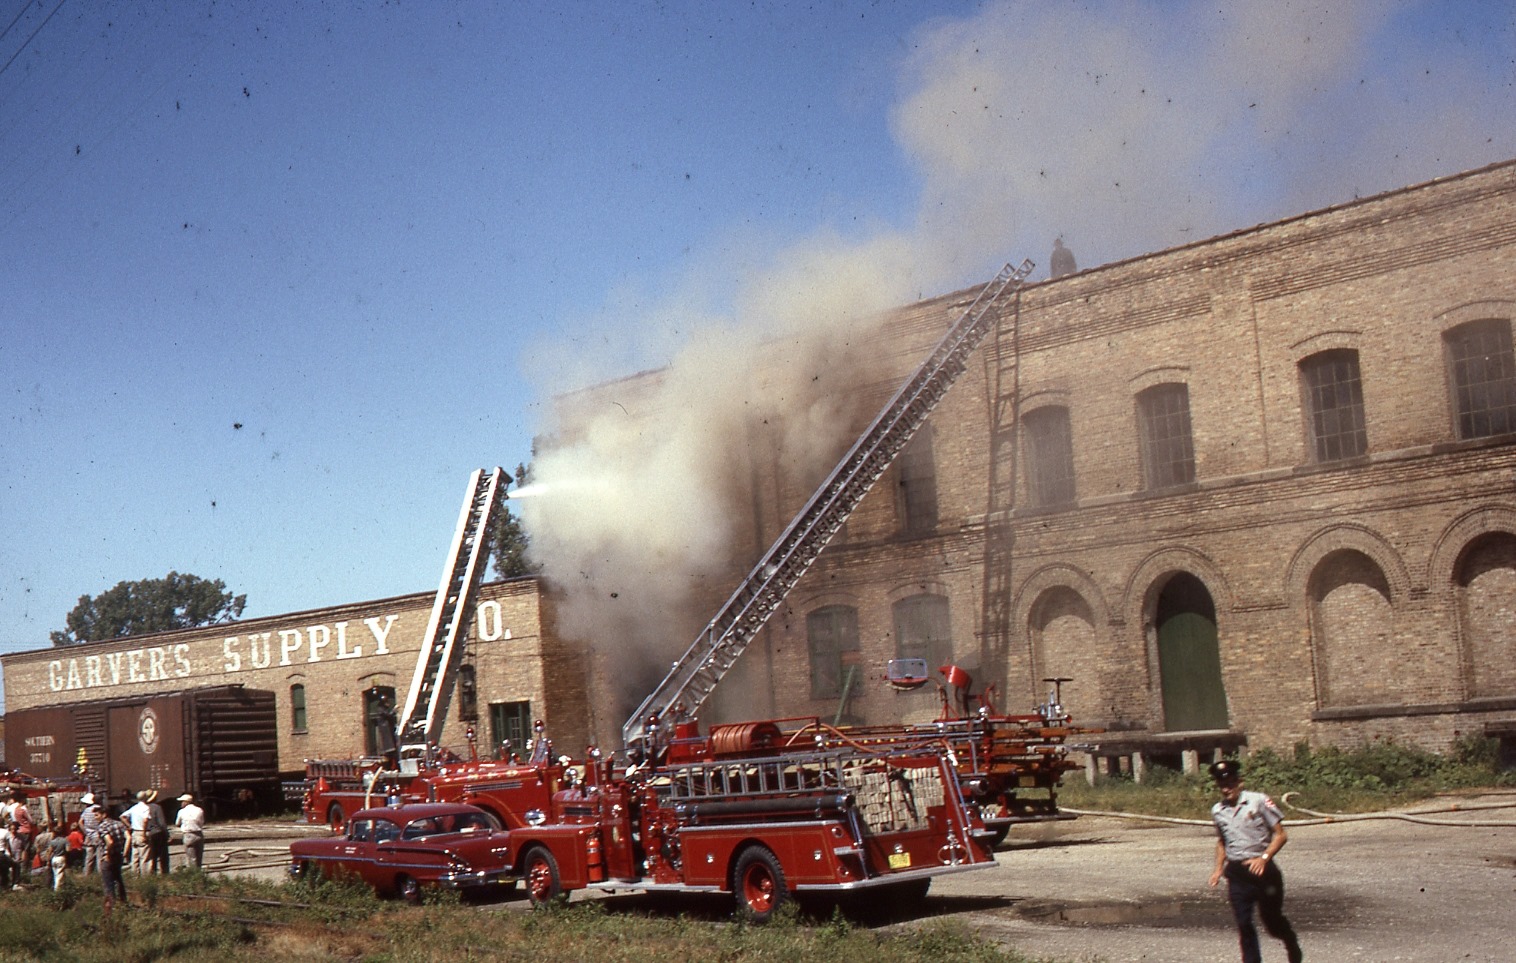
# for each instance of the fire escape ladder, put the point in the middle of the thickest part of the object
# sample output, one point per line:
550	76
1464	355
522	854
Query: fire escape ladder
726	637
1003	365
442	650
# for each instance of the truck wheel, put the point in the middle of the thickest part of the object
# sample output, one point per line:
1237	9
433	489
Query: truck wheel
336	818
409	890
998	834
540	870
758	885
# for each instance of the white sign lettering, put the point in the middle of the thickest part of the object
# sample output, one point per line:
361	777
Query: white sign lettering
239	653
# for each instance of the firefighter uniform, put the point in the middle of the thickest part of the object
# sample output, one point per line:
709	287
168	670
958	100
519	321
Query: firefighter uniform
1246	824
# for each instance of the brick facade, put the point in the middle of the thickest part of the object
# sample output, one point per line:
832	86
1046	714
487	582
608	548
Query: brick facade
1253	511
1276	595
334	655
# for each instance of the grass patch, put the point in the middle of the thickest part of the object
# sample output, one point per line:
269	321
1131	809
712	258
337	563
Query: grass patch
1375	776
194	918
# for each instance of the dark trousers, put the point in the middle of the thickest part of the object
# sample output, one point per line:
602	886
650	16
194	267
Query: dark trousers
110	878
1265	894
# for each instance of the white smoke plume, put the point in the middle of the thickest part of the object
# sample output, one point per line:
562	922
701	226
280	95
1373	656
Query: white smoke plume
1125	127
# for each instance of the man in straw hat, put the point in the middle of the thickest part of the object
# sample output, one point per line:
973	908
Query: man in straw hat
1249	834
89	825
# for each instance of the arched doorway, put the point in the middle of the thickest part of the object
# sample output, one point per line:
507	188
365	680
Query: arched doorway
1189	656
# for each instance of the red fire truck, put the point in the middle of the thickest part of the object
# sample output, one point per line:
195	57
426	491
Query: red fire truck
757	809
733	813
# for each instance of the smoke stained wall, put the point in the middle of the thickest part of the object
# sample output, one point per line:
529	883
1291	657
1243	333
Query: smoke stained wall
1123	127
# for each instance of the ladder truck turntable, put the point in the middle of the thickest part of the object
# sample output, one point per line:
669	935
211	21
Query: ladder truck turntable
756	809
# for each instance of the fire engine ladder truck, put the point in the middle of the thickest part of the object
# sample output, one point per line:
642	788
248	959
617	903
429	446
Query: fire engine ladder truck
725	637
442	650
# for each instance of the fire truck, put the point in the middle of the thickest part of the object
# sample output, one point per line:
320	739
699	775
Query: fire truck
757	809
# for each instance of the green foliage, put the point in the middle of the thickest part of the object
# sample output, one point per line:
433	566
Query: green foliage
1376	775
150	605
199	917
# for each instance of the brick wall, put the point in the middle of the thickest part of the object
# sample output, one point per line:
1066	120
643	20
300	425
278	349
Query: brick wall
1351	600
336	654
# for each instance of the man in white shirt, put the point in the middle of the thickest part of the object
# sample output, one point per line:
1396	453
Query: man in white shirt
136	819
191	822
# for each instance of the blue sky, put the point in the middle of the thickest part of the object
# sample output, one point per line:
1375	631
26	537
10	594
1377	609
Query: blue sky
278	276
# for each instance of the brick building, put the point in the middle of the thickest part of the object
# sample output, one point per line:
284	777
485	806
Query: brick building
1258	489
330	668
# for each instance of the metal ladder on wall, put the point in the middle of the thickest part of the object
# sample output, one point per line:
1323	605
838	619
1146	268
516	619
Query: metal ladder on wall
684	690
442	650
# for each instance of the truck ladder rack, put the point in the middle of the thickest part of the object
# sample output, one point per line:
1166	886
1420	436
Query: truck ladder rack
446	632
727	635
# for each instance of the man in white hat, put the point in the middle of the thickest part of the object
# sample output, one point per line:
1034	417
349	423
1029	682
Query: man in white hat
89	825
191	822
136	819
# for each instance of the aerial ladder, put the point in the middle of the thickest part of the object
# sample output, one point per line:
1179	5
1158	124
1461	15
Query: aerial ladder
723	640
419	724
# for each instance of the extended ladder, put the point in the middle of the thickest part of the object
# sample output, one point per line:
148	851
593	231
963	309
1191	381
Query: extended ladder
442	650
725	637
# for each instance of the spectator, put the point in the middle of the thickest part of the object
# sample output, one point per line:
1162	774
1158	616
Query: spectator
191	822
89	825
15	846
113	838
75	851
9	871
42	850
57	858
22	830
136	819
157	835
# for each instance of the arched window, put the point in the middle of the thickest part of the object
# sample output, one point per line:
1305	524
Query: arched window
1486	584
297	707
1168	453
1332	392
1064	646
832	633
923	630
1482	376
1047	444
1353	633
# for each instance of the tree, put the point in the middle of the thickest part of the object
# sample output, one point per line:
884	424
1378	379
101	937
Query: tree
151	605
509	544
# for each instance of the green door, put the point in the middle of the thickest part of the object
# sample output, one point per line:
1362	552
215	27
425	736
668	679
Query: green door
1189	661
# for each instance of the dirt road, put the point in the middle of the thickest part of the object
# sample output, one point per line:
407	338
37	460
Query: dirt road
1118	891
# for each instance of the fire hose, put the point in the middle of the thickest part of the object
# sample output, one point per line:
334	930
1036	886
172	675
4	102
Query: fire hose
1322	818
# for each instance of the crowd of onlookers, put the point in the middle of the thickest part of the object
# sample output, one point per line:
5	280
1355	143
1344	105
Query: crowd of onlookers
103	839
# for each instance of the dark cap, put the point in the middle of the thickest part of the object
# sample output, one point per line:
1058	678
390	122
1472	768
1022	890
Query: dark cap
1226	771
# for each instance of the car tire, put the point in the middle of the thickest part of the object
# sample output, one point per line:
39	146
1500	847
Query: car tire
758	884
544	885
336	818
409	890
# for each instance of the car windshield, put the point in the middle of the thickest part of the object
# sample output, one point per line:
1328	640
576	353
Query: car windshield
449	823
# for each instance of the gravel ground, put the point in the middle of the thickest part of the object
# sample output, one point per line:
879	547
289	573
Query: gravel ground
1120	890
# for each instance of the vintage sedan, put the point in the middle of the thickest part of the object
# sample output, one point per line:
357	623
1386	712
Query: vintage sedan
400	849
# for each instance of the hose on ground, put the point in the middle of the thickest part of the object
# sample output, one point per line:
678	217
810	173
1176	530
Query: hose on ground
1321	818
